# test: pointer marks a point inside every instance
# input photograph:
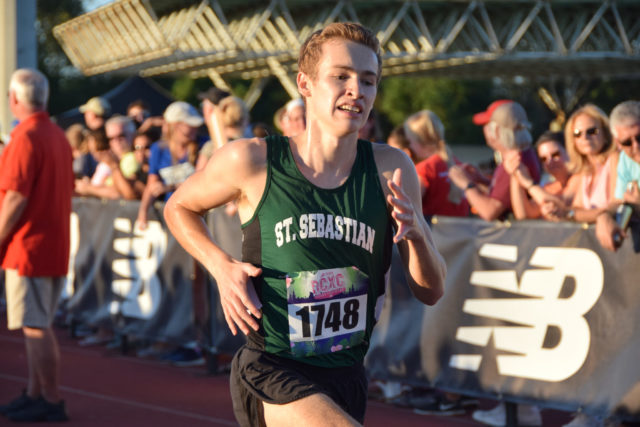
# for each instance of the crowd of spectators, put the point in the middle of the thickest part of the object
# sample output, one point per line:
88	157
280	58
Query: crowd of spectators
588	173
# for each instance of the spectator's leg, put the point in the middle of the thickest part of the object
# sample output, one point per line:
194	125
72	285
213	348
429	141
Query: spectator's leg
43	356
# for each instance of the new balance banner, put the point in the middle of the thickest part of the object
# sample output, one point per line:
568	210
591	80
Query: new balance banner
134	281
533	312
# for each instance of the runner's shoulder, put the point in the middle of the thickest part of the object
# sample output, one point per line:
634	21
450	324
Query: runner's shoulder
245	152
389	158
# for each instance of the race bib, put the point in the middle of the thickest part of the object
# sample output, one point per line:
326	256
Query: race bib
327	310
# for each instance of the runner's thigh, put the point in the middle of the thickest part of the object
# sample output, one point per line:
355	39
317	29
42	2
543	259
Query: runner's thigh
315	410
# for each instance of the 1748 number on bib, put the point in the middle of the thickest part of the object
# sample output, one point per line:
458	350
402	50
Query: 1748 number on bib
327	310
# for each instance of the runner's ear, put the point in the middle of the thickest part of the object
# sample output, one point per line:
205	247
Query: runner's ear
304	86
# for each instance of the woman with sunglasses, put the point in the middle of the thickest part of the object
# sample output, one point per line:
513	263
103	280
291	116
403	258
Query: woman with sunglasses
554	160
593	160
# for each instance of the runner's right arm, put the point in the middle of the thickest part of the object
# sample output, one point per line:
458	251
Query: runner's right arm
235	172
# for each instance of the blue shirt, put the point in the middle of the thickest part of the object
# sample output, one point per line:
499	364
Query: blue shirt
159	158
628	170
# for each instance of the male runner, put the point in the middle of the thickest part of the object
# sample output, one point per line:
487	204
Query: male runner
317	212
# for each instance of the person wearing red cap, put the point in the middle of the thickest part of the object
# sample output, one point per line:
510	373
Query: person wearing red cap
484	117
506	128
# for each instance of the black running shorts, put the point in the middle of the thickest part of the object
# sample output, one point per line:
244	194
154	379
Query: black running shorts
258	376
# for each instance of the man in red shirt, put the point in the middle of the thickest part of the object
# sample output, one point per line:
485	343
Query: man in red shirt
36	184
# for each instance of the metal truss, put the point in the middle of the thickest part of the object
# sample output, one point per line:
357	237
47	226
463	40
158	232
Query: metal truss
540	39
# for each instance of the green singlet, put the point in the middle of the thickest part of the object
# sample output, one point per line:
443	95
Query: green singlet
324	254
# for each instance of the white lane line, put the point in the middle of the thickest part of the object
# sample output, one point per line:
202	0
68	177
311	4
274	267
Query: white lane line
131	403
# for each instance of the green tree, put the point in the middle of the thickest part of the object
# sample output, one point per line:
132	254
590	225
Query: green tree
68	87
454	101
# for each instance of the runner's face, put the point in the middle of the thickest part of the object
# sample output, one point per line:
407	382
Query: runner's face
345	86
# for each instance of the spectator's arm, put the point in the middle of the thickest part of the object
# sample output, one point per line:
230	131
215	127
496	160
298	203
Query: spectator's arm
150	122
122	185
13	205
85	188
487	207
522	206
608	232
151	191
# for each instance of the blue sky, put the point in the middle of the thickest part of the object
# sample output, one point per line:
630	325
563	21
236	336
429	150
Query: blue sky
89	5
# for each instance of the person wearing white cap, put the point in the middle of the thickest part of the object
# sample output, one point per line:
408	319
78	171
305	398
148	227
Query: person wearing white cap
95	111
171	160
293	120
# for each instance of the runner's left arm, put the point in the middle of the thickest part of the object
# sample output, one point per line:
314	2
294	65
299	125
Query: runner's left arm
425	266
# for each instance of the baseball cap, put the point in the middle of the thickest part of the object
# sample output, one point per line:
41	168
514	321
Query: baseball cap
97	105
214	94
484	117
183	112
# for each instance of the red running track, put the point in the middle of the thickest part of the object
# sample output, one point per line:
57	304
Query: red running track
104	388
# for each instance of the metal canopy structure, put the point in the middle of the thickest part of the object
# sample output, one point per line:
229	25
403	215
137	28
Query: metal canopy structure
254	40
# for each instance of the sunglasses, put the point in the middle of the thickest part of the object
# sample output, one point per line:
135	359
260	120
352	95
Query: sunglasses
119	136
591	131
627	142
553	156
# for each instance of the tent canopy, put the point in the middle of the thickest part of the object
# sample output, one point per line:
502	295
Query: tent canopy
121	96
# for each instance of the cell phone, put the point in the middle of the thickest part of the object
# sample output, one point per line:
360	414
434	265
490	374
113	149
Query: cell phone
623	215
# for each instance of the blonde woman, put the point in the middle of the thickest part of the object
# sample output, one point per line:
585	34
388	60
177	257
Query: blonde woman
425	132
593	159
229	117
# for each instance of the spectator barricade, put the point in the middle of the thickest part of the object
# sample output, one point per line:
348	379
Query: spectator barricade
133	281
533	311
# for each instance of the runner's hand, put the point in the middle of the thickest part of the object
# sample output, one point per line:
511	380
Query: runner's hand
233	284
403	212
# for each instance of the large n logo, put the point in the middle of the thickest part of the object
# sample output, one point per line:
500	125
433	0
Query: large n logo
538	307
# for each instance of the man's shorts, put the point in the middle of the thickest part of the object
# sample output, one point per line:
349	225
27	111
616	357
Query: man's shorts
31	301
257	376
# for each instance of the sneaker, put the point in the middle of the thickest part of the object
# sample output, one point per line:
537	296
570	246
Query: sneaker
149	351
582	420
188	357
18	403
442	406
392	389
468	401
527	416
413	400
171	355
93	340
40	410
